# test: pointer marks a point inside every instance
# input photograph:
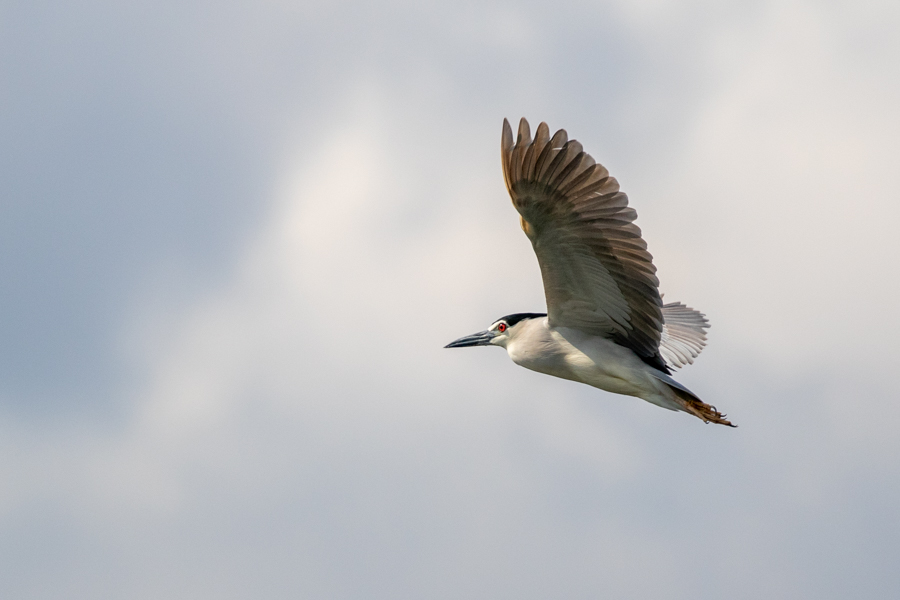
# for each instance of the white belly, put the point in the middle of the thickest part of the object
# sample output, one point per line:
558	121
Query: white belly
596	361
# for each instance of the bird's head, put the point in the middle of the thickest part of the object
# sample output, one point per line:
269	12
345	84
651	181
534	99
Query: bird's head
498	334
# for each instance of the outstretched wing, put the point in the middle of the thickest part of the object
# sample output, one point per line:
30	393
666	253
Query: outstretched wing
598	275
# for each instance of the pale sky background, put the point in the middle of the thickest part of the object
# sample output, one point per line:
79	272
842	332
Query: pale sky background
234	237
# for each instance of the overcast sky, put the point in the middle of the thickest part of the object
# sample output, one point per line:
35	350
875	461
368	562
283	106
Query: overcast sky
234	237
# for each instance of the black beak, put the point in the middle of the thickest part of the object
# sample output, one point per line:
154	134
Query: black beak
482	338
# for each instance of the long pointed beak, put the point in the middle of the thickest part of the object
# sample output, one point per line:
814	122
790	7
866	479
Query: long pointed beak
482	338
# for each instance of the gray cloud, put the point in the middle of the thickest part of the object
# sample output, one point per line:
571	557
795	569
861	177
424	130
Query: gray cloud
237	238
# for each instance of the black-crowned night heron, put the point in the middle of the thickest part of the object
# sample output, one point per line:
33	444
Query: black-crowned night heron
606	324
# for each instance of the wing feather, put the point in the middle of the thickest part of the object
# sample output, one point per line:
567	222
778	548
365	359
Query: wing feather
684	334
598	275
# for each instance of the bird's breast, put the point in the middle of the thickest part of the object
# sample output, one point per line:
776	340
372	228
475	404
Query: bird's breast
598	362
541	356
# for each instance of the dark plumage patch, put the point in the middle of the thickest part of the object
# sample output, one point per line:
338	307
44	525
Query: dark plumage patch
514	318
656	361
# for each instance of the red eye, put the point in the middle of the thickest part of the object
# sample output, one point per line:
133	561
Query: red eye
501	327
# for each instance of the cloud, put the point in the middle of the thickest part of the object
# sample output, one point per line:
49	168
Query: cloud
286	422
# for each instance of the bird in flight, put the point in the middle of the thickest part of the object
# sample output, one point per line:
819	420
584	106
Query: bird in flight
606	324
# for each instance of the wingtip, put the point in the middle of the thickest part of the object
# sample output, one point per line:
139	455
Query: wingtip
506	140
524	136
542	134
